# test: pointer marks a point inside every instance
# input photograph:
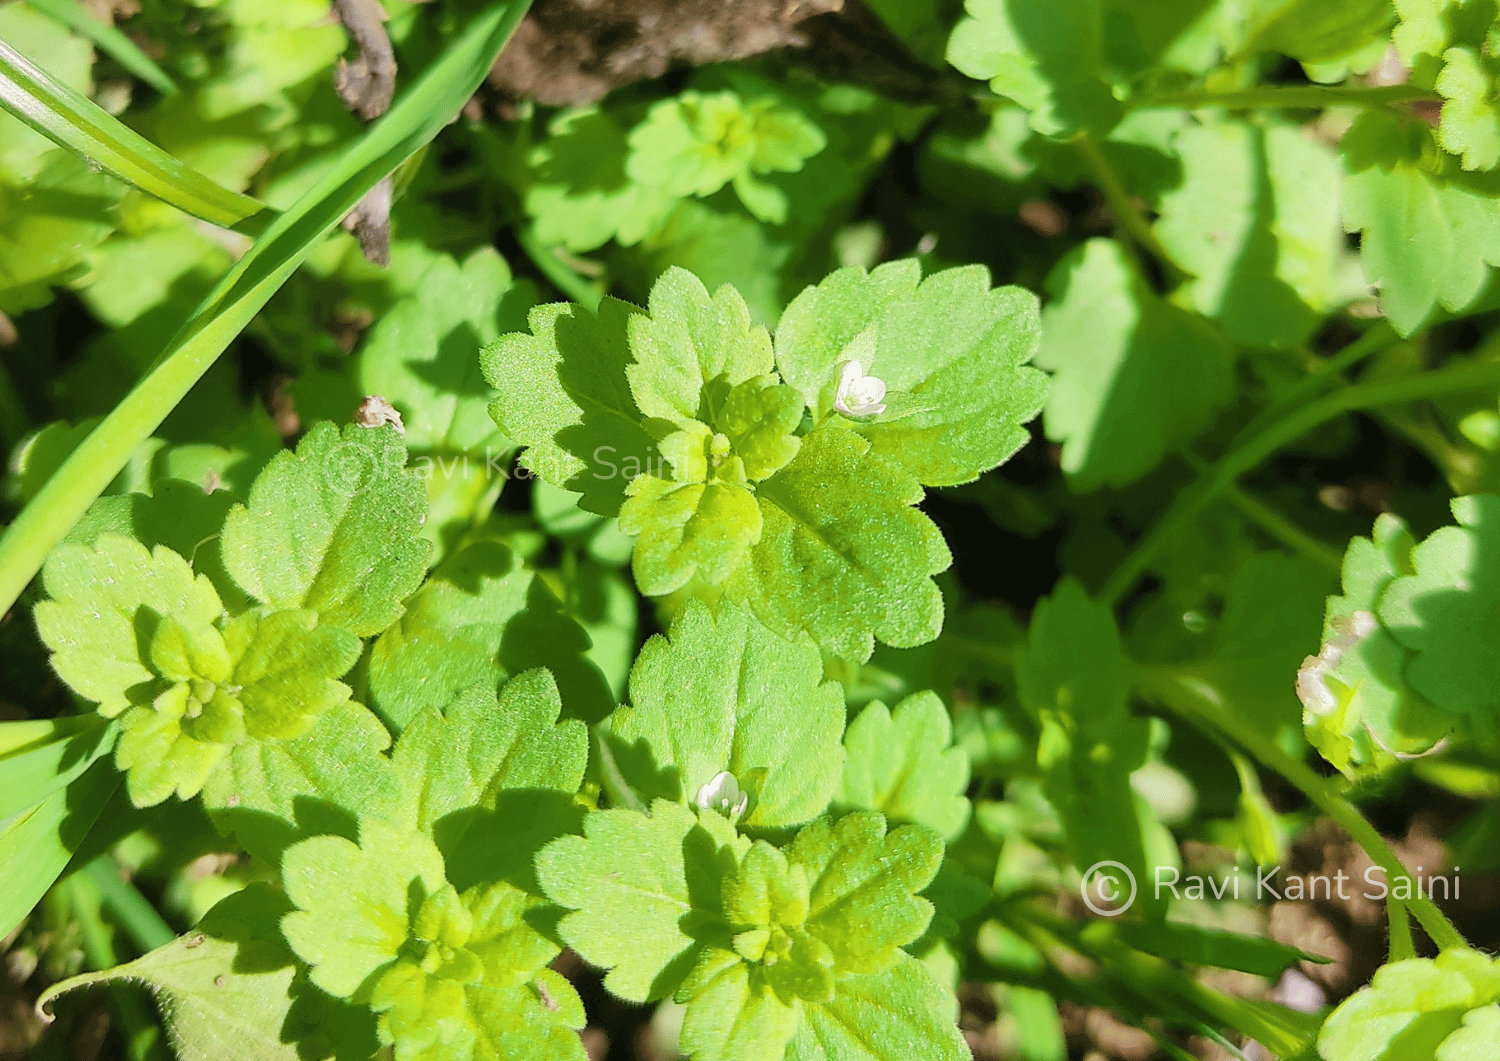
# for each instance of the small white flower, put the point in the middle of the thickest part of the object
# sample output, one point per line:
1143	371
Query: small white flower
722	794
859	394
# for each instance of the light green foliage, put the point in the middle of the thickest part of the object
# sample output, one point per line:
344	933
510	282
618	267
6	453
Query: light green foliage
99	594
902	764
333	529
1429	233
1358	708
1448	44
421	353
492	779
1136	377
1049	58
563	394
1420	1009
1269	624
1444	613
581	195
1074	678
696	143
1471	125
267	678
899	1013
270	793
481	616
682	412
752	938
452	976
643	890
726	694
229	988
929	341
1253	222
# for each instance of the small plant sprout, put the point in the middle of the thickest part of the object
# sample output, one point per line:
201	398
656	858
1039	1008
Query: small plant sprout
859	395
722	793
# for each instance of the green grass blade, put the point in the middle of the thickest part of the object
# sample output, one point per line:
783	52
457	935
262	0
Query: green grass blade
35	846
71	119
416	118
109	40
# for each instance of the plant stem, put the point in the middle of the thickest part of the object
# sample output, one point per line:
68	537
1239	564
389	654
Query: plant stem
1125	211
575	287
1372	342
1282	529
1201	706
1402	946
1223	473
134	911
1298	96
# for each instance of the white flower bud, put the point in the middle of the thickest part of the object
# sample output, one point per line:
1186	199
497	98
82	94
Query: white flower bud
859	394
722	793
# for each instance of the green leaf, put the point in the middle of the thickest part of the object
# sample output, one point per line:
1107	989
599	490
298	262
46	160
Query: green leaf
272	792
424	109
697	142
48	228
37	844
333	529
1048	58
1411	1007
37	758
581	195
1471	125
1269	625
1205	946
843	554
903	764
642	889
420	355
687	340
502	770
1073	676
888	1016
66	116
929	341
1135	376
107	601
66	57
356	902
1428	236
1444	612
1254	225
480	617
266	679
1358	708
117	45
463	974
736	1016
862	887
726	694
226	988
563	394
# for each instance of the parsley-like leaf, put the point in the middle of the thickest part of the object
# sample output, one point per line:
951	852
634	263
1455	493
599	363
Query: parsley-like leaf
890	1016
902	763
1412	1009
333	528
727	694
929	341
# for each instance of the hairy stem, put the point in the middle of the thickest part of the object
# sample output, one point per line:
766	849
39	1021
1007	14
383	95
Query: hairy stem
1296	96
1123	207
1248	454
1200	705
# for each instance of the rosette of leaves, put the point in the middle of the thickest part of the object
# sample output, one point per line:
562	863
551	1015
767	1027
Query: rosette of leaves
1420	1009
1406	663
245	648
739	463
791	952
697	142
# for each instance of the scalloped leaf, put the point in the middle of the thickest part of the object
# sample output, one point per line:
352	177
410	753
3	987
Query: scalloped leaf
903	764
